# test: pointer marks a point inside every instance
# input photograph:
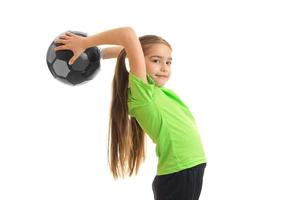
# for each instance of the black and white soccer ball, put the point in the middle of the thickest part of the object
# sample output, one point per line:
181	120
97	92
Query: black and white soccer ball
85	68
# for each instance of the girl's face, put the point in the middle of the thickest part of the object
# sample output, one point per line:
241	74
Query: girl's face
158	63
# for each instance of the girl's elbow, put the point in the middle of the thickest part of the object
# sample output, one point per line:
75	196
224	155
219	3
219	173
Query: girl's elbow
129	30
129	36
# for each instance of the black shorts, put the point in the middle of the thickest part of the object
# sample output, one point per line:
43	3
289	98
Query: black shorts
182	185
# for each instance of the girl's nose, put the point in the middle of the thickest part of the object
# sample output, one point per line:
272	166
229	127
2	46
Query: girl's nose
164	68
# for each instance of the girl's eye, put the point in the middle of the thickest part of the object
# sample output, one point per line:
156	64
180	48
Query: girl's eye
158	61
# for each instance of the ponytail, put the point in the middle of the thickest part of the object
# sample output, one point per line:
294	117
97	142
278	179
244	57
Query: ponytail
126	137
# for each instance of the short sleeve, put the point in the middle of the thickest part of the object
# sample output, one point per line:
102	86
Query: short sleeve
139	90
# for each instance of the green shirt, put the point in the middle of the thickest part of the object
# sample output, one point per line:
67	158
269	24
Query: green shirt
168	122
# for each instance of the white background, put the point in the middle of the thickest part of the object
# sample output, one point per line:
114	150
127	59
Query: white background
236	65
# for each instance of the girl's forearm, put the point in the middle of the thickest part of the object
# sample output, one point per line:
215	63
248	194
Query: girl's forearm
127	38
111	52
118	36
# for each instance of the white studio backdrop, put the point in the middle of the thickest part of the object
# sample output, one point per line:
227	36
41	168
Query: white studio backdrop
236	65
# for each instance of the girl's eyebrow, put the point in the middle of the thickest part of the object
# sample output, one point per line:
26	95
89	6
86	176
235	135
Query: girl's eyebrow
170	58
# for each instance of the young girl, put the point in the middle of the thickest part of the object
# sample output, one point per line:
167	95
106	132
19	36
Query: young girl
141	104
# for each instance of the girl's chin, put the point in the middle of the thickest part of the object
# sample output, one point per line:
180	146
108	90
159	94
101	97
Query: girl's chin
160	82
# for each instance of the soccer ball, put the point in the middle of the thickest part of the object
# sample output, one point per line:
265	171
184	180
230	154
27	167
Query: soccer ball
85	67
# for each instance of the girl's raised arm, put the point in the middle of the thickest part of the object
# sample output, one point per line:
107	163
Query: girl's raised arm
124	36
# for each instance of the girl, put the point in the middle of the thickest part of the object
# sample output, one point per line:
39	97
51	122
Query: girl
141	104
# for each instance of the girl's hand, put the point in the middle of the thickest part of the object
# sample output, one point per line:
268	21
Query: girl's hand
72	42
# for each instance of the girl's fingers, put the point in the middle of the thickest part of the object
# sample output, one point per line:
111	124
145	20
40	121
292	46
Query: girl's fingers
69	34
62	47
61	41
72	60
63	37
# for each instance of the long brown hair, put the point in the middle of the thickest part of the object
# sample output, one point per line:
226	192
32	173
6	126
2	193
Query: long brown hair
126	137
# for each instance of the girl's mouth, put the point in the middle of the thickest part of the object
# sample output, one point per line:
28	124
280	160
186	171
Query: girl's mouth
162	76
